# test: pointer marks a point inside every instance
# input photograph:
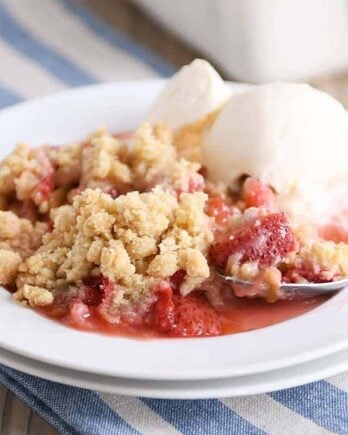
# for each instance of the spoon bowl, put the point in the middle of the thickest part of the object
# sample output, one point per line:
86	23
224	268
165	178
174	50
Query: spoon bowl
297	290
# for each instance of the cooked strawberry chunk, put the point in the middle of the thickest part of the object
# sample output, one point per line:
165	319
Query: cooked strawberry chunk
92	293
192	185
79	315
177	279
218	209
265	239
92	290
257	194
43	189
163	315
196	184
335	231
179	316
114	193
194	317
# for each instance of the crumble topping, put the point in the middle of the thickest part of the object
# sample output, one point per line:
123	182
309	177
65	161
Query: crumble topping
103	166
128	224
9	264
34	296
132	240
21	171
19	234
137	216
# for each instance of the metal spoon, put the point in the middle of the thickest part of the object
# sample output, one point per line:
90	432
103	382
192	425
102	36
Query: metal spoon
301	290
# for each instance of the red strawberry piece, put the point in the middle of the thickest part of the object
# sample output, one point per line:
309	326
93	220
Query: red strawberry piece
257	194
194	184
113	192
335	231
79	315
50	225
194	317
92	290
180	316
217	208
43	189
177	279
92	293
265	239
162	316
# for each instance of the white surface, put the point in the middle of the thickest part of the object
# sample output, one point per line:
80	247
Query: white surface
217	388
264	40
290	136
192	93
68	117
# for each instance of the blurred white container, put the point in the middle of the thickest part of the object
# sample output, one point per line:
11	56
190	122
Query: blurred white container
262	40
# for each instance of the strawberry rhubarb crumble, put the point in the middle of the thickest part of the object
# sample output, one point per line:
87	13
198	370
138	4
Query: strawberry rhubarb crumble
129	232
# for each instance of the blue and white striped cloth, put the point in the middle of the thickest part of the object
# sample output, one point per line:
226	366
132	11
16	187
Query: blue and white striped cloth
50	45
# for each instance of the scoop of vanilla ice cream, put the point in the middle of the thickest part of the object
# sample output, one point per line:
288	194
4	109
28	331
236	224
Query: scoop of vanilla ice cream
192	93
290	136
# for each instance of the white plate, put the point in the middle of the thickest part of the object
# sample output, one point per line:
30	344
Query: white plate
214	388
67	117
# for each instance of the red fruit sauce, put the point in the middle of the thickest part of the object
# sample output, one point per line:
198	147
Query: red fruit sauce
239	315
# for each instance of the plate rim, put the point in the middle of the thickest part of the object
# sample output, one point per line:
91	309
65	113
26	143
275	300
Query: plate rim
182	390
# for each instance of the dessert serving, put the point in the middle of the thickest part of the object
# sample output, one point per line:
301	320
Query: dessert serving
129	232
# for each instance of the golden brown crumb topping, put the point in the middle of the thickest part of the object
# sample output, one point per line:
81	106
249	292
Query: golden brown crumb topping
136	213
19	234
34	296
133	240
9	264
137	217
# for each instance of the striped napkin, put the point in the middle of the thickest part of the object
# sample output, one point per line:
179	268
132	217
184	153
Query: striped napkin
51	45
